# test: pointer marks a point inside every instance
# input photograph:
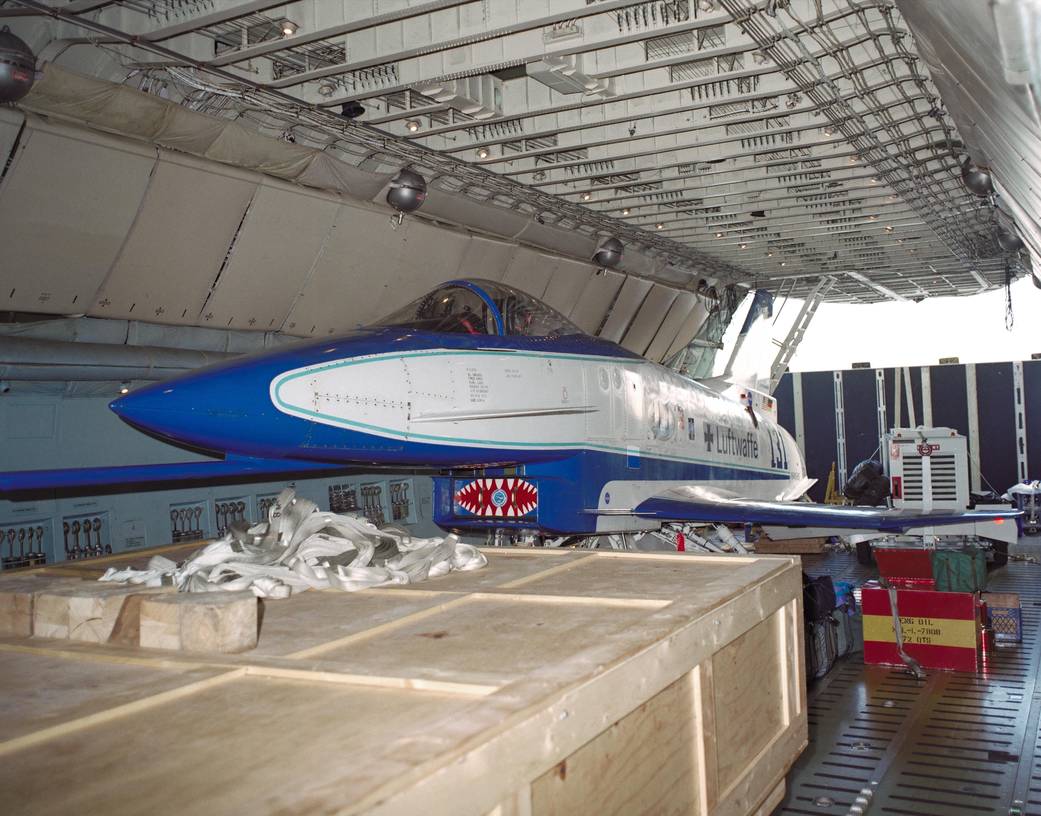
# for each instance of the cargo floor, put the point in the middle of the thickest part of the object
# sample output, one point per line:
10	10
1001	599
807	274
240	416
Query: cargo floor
950	744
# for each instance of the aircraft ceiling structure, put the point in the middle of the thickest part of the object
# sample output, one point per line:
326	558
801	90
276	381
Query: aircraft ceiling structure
768	143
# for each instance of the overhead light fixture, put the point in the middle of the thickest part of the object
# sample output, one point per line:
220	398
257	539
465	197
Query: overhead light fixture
889	227
744	246
659	226
326	89
412	125
708	5
1008	240
759	58
853	159
894	198
586	196
609	254
784	263
408	191
352	109
899	240
625	211
875	179
719	235
289	28
483	152
828	131
977	179
872	218
769	254
124	387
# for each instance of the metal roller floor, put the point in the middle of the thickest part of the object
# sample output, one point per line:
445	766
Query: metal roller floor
950	744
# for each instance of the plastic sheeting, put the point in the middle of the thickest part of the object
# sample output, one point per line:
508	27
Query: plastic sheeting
299	548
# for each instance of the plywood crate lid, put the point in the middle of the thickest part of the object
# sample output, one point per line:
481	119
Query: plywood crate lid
440	698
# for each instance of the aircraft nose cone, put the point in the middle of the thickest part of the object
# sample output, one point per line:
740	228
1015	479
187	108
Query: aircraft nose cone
139	407
213	409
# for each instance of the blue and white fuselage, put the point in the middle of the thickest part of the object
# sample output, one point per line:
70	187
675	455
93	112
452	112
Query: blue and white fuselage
527	422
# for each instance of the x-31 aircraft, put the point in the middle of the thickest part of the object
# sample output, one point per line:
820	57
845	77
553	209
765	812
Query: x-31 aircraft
532	424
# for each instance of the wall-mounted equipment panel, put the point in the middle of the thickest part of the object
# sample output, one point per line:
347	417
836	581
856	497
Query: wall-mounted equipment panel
402	508
225	511
189	521
343	498
264	502
373	502
86	535
25	543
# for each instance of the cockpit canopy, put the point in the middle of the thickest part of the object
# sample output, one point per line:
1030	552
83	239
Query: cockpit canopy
481	307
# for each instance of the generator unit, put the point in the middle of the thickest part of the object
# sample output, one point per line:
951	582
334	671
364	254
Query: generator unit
928	468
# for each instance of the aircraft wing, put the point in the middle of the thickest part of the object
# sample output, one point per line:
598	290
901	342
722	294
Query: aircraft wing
18	481
710	505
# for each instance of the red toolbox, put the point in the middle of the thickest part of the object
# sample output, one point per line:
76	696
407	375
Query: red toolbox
905	568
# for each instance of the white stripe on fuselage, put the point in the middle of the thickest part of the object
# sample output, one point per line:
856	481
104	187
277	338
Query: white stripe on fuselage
543	401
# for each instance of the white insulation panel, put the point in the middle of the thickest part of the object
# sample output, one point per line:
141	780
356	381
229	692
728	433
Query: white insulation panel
11	121
595	299
274	252
689	328
529	271
568	280
178	243
369	269
670	327
486	258
649	319
66	204
625	307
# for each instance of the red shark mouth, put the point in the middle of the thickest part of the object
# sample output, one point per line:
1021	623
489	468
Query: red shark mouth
506	498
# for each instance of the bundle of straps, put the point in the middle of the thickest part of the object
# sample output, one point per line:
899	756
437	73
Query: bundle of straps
300	547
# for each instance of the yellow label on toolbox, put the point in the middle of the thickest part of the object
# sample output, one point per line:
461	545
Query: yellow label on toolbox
925	631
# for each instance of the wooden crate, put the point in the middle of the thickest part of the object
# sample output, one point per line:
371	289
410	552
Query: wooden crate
550	682
790	546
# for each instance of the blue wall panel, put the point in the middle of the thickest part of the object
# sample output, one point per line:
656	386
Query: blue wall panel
858	396
818	406
786	404
997	424
916	387
950	409
1032	406
890	375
